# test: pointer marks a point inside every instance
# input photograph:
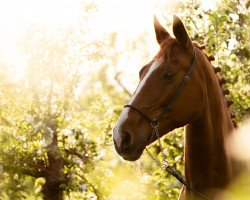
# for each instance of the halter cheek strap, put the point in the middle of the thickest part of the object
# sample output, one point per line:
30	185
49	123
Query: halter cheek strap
169	105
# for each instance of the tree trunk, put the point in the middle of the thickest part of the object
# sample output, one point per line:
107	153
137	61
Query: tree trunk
52	189
54	178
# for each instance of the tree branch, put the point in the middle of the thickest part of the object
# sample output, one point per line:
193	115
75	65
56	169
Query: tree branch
121	85
78	154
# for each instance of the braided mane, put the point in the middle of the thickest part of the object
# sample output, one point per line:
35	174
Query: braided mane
222	81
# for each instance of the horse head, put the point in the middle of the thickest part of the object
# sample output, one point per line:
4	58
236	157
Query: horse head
170	93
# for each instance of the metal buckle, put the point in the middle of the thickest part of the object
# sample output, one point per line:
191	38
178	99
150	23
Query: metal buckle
155	123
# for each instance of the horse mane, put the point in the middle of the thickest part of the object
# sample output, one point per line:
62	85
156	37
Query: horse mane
220	79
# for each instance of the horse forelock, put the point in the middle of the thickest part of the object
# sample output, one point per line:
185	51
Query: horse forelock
166	48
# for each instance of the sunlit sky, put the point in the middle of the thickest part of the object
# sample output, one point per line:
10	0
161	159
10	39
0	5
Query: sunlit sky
128	16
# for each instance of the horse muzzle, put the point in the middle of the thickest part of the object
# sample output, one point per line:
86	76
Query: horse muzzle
126	146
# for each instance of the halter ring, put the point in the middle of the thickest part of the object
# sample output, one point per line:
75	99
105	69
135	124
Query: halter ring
155	123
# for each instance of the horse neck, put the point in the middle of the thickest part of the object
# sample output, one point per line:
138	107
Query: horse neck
207	162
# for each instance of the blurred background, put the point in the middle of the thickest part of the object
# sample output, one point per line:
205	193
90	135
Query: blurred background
67	67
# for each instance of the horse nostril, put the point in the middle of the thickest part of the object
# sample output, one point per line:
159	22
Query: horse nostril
126	139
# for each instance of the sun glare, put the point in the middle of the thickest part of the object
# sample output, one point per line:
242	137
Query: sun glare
129	18
49	12
16	15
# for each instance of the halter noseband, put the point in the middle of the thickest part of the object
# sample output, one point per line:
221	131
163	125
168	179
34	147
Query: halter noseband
167	108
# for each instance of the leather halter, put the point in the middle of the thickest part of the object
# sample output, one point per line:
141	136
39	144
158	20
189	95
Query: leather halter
170	103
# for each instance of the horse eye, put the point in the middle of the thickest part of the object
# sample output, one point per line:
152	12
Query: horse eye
168	76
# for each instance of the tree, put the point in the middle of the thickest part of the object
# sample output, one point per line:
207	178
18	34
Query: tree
45	139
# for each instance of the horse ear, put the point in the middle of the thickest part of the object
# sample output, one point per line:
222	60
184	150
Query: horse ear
181	34
161	33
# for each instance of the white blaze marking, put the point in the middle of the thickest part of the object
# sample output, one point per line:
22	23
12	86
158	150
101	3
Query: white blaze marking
153	67
124	114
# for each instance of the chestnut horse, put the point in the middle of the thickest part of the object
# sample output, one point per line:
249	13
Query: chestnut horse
179	87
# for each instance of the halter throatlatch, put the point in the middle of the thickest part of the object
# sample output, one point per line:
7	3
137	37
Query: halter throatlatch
155	123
